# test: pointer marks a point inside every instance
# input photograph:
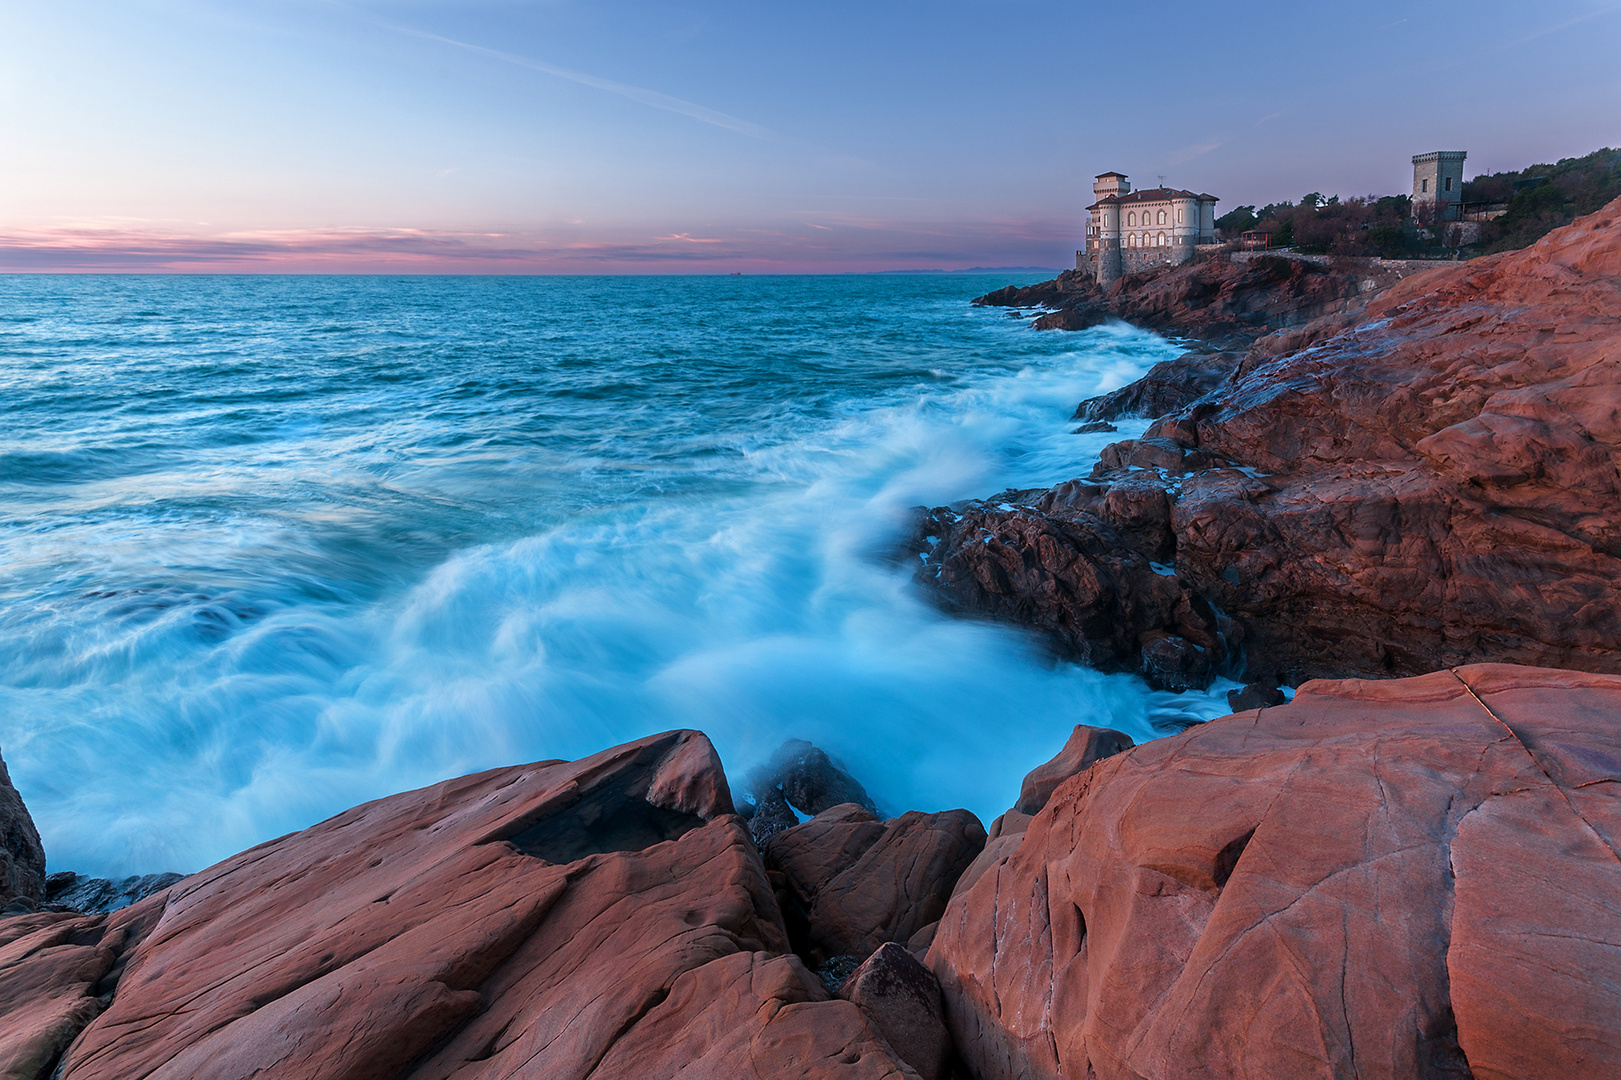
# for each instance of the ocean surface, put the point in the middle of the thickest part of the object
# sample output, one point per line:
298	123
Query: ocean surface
272	546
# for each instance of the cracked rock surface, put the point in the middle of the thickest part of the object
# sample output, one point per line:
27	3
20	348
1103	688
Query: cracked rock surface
1382	879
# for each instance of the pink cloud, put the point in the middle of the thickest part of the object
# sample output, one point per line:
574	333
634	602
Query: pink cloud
850	244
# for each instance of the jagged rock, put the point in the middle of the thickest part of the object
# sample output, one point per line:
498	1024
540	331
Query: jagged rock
1081	564
1169	385
606	917
1385	879
56	970
98	896
1086	746
898	885
1095	428
801	776
22	857
901	998
1256	695
1435	485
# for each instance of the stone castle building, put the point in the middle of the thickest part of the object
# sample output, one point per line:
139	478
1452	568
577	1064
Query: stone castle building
1438	185
1135	230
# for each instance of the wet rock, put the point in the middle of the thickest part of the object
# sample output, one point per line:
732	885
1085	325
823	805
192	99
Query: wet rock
836	969
1168	386
1086	746
1095	428
98	896
22	857
1391	878
901	998
437	934
1256	695
899	885
801	776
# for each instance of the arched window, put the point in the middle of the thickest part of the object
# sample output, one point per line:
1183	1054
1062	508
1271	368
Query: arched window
1179	217
1161	220
1131	219
1160	240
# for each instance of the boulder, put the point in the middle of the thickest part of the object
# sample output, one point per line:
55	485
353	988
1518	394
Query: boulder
802	776
899	885
901	998
1086	746
1433	483
814	853
1382	879
22	857
1256	695
605	917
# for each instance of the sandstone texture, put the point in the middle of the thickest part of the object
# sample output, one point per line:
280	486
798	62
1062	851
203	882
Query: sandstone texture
902	999
1432	481
22	858
604	918
850	883
1403	878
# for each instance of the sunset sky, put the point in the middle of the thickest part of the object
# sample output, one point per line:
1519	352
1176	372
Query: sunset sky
563	136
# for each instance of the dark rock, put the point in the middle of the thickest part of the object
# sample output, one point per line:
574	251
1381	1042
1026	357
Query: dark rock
901	998
1256	695
834	970
1168	386
802	776
22	857
1086	746
1095	428
98	896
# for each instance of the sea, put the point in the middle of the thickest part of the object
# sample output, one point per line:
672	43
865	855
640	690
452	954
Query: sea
271	546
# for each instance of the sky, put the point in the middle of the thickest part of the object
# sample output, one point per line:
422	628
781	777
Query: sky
560	136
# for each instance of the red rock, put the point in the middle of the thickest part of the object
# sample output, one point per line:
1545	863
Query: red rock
1430	484
817	851
54	970
898	886
1404	878
607	917
901	998
1086	746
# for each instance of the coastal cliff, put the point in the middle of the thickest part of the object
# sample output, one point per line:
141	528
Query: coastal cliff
1429	481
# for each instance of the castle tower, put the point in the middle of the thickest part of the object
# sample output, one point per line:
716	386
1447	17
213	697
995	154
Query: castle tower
1108	186
1438	184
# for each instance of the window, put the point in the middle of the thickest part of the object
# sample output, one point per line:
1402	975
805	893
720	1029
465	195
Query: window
1161	220
1179	216
1160	240
1449	183
1131	219
1424	185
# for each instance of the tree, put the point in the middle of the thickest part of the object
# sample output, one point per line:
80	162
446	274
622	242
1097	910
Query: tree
1237	220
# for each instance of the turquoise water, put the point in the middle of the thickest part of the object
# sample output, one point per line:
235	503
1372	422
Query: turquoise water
271	546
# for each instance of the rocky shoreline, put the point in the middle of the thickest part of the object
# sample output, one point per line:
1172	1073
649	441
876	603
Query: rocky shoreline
1423	479
1412	875
1400	878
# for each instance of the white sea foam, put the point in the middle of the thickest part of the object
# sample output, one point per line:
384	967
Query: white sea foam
757	609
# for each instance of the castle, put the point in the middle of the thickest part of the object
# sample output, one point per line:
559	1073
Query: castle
1135	230
1438	185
